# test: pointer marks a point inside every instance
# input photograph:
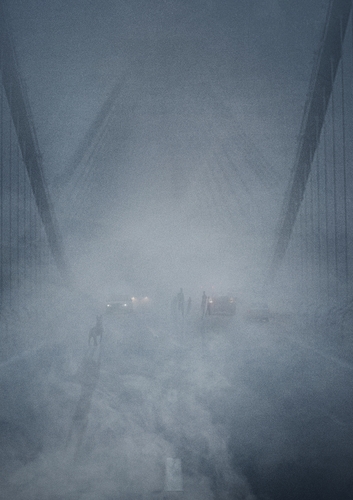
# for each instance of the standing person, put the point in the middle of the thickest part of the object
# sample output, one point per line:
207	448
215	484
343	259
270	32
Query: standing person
181	302
203	304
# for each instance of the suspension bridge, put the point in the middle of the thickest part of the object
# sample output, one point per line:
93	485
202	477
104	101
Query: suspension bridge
154	194
313	238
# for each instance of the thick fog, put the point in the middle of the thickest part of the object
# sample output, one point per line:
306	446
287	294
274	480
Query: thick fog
167	131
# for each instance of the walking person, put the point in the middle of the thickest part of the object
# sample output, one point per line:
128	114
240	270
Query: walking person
181	301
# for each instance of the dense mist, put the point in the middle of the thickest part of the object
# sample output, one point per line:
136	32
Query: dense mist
167	133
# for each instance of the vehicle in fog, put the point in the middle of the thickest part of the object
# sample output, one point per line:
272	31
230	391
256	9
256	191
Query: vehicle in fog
221	305
122	304
141	302
258	312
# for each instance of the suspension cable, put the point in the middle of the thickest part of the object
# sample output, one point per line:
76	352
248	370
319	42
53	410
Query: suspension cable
25	255
10	204
326	210
344	166
306	253
18	217
334	173
1	194
318	204
312	232
302	250
30	235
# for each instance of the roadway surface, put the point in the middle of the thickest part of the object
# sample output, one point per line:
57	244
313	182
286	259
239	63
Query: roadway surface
251	411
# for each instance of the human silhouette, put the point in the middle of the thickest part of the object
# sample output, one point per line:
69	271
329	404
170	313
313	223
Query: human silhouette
181	302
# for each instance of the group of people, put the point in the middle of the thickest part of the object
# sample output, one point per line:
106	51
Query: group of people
180	308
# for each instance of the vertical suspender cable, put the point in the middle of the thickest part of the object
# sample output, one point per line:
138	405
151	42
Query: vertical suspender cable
302	252
318	206
344	168
35	246
30	240
306	252
326	213
297	256
40	252
302	248
24	229
349	178
312	231
1	195
19	207
334	181
10	207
